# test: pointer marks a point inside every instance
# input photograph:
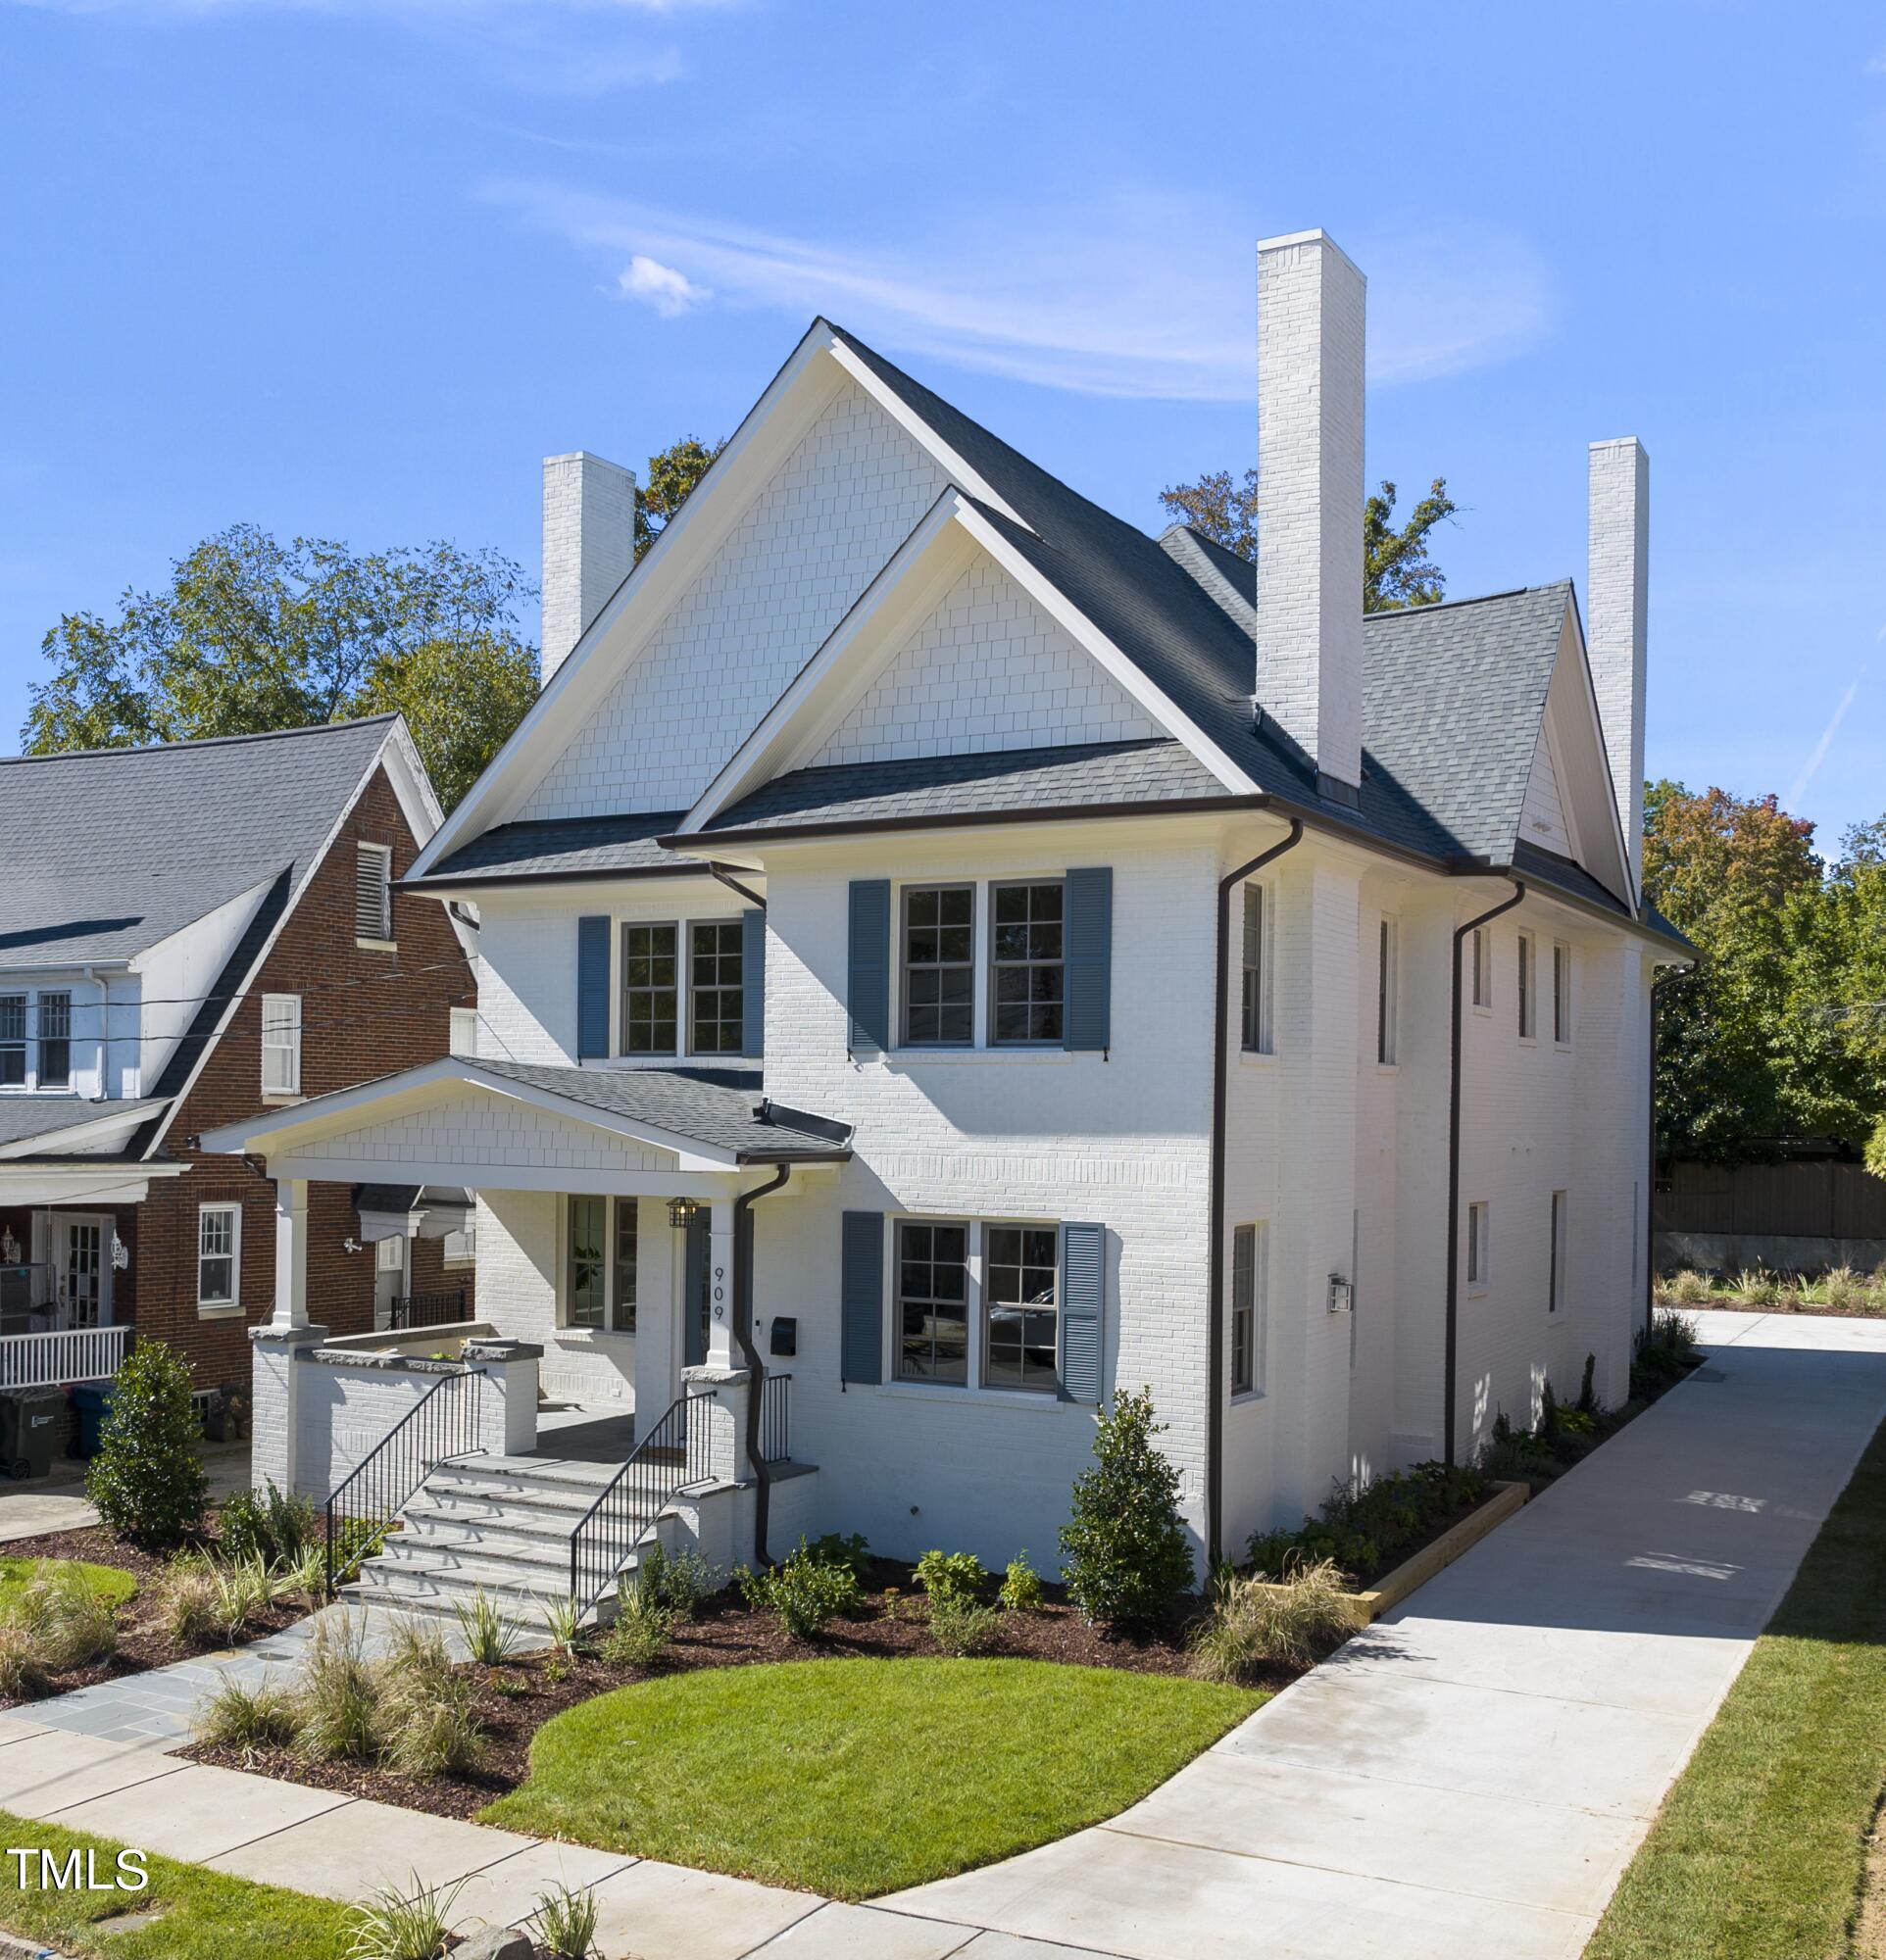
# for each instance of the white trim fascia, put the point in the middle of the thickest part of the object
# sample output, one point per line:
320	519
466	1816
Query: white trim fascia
274	1132
417	801
82	1127
913	425
240	993
712	1181
1069	618
792	725
793	401
113	1183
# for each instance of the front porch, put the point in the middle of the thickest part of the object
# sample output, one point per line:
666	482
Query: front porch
609	1389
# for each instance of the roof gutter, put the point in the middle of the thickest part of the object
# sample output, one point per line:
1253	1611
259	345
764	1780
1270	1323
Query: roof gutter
1214	1299
1451	1343
756	1368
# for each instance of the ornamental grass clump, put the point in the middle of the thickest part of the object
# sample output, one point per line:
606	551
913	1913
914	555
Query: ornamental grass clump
147	1481
566	1923
21	1670
1255	1623
235	1715
413	1923
1125	1548
337	1697
186	1601
66	1623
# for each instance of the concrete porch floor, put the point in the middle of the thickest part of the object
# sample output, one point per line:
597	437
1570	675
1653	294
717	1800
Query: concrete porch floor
584	1433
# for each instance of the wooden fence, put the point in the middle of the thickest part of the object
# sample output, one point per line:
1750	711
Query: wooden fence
1804	1215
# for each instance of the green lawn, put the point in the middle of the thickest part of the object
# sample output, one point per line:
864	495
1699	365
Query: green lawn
110	1581
1758	1850
858	1776
202	1915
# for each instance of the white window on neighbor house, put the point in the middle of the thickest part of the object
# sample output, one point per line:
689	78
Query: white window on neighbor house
463	1032
1528	984
1387	990
373	891
55	1041
1248	1315
1481	968
219	1253
1478	1245
1255	997
1555	1282
281	1044
1561	992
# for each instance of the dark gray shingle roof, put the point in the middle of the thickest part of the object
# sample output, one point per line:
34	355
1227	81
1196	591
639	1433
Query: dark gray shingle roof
562	848
718	1107
921	788
108	851
29	1116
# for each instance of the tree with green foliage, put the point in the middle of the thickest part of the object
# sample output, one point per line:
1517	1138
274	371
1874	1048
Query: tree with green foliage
252	635
147	1480
1398	570
1781	1029
1125	1548
672	477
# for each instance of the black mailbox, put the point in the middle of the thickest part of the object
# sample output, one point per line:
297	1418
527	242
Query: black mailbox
784	1336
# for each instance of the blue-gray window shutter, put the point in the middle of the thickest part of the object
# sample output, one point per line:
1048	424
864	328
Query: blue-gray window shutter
592	987
861	1296
869	979
753	981
1084	1309
1088	951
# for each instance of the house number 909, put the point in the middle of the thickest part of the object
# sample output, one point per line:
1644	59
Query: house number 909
720	1292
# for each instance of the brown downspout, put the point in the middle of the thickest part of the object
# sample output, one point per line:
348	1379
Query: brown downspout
743	1335
726	878
1452	1342
1214	1303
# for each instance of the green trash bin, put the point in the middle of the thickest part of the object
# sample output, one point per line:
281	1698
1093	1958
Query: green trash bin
30	1423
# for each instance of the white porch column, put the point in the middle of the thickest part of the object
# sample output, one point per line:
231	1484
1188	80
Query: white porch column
291	1252
721	1285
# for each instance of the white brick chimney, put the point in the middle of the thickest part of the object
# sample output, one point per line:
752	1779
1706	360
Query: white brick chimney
588	546
1311	307
1617	597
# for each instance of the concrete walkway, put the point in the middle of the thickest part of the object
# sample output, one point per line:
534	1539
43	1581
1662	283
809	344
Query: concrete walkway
1463	1781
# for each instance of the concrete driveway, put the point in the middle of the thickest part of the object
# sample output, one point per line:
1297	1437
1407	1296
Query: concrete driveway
1470	1777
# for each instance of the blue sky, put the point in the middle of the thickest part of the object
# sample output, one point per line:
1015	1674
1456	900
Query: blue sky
350	268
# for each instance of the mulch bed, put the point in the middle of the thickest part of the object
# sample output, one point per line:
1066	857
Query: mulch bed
514	1700
142	1645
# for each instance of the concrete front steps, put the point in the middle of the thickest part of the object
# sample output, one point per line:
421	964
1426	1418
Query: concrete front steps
496	1525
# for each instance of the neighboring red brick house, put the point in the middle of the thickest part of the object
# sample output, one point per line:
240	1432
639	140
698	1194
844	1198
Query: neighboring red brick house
206	930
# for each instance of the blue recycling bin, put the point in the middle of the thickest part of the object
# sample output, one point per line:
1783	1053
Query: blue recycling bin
90	1402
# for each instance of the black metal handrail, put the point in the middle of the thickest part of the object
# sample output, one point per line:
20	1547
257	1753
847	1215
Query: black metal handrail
672	1457
362	1506
775	1419
424	1309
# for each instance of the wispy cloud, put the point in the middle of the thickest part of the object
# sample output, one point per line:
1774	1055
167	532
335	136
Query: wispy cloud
1144	295
186	10
1818	753
669	292
1876	65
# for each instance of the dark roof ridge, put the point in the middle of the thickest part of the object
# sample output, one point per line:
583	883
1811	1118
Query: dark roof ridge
1476	599
197	742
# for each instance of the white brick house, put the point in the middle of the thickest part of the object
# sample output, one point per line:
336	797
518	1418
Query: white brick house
1140	968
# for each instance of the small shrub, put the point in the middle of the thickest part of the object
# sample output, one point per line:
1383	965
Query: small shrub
853	1551
1020	1587
146	1480
489	1639
1690	1288
960	1627
67	1624
952	1575
1846	1289
641	1629
802	1595
337	1700
1124	1548
400	1925
677	1580
1360	1531
186	1601
1255	1622
566	1923
1755	1286
278	1530
235	1715
22	1672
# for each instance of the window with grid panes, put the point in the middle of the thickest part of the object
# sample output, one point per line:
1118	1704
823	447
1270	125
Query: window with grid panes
649	989
1027	963
717	999
1019	1313
933	1302
939	965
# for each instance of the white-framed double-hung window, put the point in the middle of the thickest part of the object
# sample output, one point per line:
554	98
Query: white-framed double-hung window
1254	997
1388	983
218	1254
977	1305
36	1039
281	1044
600	1246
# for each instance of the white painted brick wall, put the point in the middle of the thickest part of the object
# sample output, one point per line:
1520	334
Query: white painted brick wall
588	546
1619	626
987	671
1311	309
838	508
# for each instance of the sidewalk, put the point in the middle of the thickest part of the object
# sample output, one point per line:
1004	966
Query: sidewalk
1466	1781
